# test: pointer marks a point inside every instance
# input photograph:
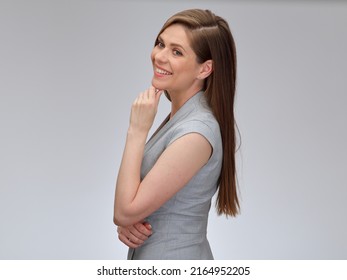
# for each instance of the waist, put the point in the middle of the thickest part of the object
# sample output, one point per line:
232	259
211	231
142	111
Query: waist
176	225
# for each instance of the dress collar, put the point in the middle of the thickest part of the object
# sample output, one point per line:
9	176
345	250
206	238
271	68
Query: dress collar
185	109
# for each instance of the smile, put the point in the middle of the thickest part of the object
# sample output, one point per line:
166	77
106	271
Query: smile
162	72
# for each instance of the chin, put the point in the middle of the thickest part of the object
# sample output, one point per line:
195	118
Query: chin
157	84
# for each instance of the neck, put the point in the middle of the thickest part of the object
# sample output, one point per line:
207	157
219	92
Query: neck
179	99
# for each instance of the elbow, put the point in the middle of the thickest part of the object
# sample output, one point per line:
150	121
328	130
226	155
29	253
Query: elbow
122	220
118	220
126	215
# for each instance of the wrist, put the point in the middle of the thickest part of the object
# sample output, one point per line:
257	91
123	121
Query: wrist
137	134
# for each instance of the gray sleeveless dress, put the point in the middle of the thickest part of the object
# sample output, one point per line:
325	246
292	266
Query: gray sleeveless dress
179	226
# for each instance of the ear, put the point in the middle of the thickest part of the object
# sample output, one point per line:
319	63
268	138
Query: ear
206	69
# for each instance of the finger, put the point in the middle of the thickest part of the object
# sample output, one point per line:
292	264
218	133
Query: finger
134	240
127	235
154	94
148	226
131	234
158	95
145	230
128	241
149	93
138	99
152	91
136	234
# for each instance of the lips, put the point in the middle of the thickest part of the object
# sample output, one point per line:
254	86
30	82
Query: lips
162	71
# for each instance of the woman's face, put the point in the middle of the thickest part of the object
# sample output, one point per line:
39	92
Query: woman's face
174	63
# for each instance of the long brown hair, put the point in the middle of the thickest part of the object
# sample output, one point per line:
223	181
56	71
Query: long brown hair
210	38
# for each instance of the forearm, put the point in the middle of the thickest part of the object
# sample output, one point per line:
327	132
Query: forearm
128	180
142	116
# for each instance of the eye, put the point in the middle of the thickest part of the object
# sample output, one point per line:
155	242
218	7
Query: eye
177	53
160	44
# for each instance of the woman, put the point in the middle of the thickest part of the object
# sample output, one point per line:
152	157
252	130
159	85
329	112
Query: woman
165	186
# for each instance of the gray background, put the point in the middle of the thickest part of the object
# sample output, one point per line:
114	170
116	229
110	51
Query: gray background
69	71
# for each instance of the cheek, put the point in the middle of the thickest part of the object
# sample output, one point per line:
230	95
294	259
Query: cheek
184	68
153	53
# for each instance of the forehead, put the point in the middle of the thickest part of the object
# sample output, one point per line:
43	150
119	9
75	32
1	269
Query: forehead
176	34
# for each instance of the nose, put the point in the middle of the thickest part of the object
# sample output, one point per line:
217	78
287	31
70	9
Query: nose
161	56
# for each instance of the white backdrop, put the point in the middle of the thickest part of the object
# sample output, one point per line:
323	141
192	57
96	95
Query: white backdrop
69	71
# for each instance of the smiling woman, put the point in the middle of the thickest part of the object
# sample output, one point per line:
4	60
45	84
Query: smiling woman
165	186
175	65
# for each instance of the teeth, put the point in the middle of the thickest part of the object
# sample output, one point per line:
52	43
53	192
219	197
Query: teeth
163	72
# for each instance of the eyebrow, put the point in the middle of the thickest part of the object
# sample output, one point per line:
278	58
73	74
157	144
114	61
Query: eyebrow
171	44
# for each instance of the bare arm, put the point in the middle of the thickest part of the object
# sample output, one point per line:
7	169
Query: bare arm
135	199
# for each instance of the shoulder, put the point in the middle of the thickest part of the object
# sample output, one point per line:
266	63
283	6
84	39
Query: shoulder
199	120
